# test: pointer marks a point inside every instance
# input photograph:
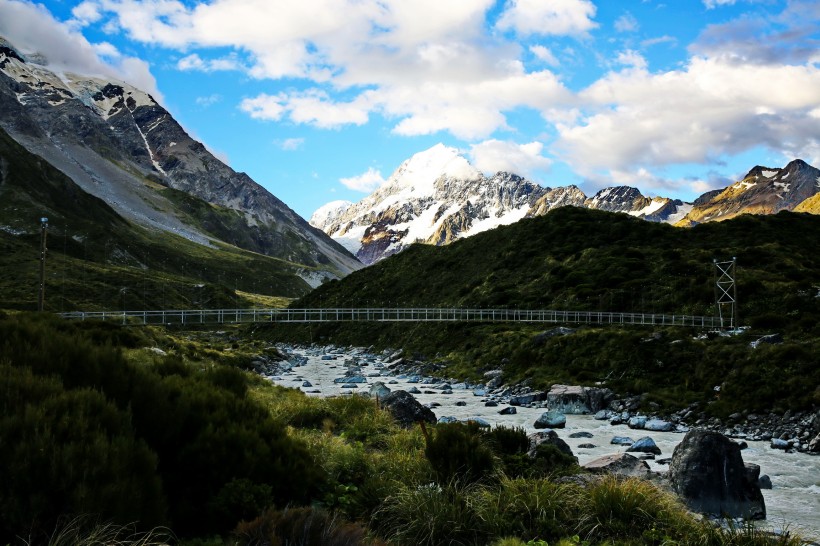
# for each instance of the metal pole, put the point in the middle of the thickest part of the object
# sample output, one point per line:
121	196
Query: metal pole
41	299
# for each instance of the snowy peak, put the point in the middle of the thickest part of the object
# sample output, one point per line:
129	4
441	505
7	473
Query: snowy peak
422	170
764	190
328	213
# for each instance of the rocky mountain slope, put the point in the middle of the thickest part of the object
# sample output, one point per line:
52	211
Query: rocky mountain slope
437	197
764	190
117	143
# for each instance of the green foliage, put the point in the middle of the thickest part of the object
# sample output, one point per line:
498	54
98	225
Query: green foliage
458	451
91	432
85	531
302	526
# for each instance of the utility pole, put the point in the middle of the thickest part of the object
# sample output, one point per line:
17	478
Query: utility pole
44	231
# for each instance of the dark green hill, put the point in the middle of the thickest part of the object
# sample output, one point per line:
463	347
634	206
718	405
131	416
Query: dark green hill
592	260
98	260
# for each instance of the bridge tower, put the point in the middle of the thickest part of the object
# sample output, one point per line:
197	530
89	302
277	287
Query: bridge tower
726	293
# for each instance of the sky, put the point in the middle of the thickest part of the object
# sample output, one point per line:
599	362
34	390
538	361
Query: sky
321	100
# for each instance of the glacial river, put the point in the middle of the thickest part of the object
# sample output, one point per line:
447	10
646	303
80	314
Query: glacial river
793	502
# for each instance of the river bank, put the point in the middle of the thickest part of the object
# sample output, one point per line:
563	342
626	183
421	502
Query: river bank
793	501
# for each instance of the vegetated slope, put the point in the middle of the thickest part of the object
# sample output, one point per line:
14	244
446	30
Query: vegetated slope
581	259
99	260
117	143
592	260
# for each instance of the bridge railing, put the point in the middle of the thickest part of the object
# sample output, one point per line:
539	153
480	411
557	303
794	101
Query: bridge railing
391	314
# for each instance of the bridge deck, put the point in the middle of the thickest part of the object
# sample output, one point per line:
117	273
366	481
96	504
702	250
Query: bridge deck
383	314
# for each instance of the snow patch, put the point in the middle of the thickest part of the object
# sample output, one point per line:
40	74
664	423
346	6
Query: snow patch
352	239
495	221
769	174
652	207
782	187
680	214
328	212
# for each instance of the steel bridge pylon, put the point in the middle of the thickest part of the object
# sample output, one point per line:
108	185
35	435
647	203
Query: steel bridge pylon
726	293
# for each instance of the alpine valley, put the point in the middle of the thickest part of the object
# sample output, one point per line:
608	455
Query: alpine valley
115	149
437	197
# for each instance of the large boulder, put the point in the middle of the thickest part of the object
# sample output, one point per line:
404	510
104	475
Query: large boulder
379	390
644	445
551	419
708	472
548	437
619	464
577	400
406	410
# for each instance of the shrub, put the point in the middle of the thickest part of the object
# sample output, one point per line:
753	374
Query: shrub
302	527
458	451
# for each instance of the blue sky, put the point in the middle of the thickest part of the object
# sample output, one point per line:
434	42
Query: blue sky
320	100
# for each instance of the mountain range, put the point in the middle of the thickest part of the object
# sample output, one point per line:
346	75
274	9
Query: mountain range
437	196
117	143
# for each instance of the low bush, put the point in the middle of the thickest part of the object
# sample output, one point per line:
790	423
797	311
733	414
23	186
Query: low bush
458	451
302	527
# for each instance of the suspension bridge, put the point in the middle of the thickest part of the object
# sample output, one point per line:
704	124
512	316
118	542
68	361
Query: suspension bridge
394	314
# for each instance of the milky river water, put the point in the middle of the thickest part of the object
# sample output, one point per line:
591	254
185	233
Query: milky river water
793	502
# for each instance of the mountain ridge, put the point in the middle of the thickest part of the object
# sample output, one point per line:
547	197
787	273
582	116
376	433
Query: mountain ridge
425	200
118	143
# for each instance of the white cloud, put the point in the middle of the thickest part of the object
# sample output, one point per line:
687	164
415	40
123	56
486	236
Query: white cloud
264	107
491	156
631	59
365	182
208	100
556	17
194	62
291	144
627	23
634	118
31	28
544	55
711	4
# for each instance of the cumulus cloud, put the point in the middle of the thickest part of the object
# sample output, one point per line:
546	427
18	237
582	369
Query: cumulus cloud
556	17
365	182
627	23
32	29
712	4
209	100
491	156
635	118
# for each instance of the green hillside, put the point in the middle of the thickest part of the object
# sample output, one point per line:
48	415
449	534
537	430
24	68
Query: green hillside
98	260
592	260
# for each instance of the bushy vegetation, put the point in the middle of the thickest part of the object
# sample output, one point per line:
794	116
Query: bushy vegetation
85	430
93	423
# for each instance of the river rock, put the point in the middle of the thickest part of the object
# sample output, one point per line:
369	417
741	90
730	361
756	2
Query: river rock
582	434
577	400
350	386
764	482
644	445
379	390
483	423
707	471
622	441
619	464
479	392
587	446
414	390
528	398
307	384
814	445
447	419
777	443
351	379
602	415
548	437
637	422
406	410
659	425
551	419
490	404
508	411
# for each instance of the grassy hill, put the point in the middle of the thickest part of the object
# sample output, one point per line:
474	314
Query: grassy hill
592	260
98	260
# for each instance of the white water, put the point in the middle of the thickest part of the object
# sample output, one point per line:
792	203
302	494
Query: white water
793	502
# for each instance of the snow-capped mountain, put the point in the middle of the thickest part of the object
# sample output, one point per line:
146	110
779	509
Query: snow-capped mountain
437	196
434	197
764	190
117	143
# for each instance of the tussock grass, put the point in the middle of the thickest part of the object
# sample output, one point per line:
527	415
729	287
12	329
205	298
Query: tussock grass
86	531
